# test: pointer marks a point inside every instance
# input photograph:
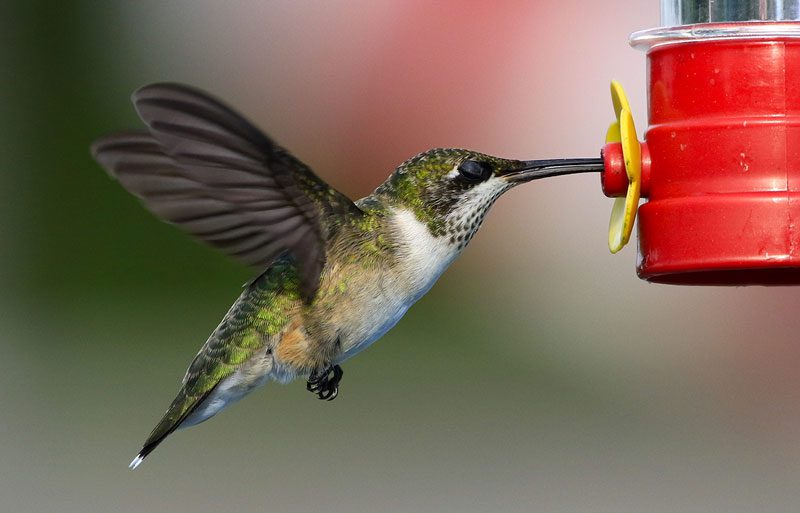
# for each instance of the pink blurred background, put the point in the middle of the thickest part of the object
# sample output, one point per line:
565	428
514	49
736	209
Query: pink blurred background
539	375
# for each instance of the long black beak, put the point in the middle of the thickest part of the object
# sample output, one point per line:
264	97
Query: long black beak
535	169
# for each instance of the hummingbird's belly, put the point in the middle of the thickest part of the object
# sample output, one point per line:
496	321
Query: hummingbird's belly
370	328
389	301
385	296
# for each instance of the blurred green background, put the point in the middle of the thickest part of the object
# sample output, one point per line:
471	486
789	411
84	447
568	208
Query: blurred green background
539	375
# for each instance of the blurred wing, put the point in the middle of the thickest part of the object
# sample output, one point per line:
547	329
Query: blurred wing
204	167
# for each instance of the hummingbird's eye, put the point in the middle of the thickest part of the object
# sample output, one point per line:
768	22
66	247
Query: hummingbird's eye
474	171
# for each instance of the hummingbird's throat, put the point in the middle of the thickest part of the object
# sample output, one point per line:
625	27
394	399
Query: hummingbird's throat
470	210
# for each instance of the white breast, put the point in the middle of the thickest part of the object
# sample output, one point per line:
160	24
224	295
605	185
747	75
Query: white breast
422	258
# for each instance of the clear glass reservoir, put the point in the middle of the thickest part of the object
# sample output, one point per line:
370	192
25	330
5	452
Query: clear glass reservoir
690	12
685	21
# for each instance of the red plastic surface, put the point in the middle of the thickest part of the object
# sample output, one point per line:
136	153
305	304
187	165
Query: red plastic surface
614	178
724	184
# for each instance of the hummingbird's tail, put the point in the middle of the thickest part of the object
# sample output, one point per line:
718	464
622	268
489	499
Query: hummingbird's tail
147	449
136	461
183	406
188	409
149	446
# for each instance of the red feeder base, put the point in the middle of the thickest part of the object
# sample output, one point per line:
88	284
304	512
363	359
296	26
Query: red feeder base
724	181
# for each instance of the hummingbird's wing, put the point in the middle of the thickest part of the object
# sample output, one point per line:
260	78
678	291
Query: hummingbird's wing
205	168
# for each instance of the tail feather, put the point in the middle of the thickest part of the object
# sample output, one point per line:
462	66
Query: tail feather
136	461
147	449
180	408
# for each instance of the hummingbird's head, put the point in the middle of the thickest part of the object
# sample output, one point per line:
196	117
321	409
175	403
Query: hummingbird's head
450	190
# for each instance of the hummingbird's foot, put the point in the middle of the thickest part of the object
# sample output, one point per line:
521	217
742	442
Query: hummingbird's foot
326	383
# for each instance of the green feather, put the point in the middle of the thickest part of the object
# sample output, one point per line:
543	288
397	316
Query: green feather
260	313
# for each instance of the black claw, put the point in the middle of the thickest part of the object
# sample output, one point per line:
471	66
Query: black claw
325	384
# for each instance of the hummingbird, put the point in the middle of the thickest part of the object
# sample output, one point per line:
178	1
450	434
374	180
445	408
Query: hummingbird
332	275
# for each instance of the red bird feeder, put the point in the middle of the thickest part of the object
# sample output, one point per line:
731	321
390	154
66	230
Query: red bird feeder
720	167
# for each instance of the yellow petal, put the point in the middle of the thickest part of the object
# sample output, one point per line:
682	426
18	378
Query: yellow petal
623	214
631	149
618	98
612	134
615	225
